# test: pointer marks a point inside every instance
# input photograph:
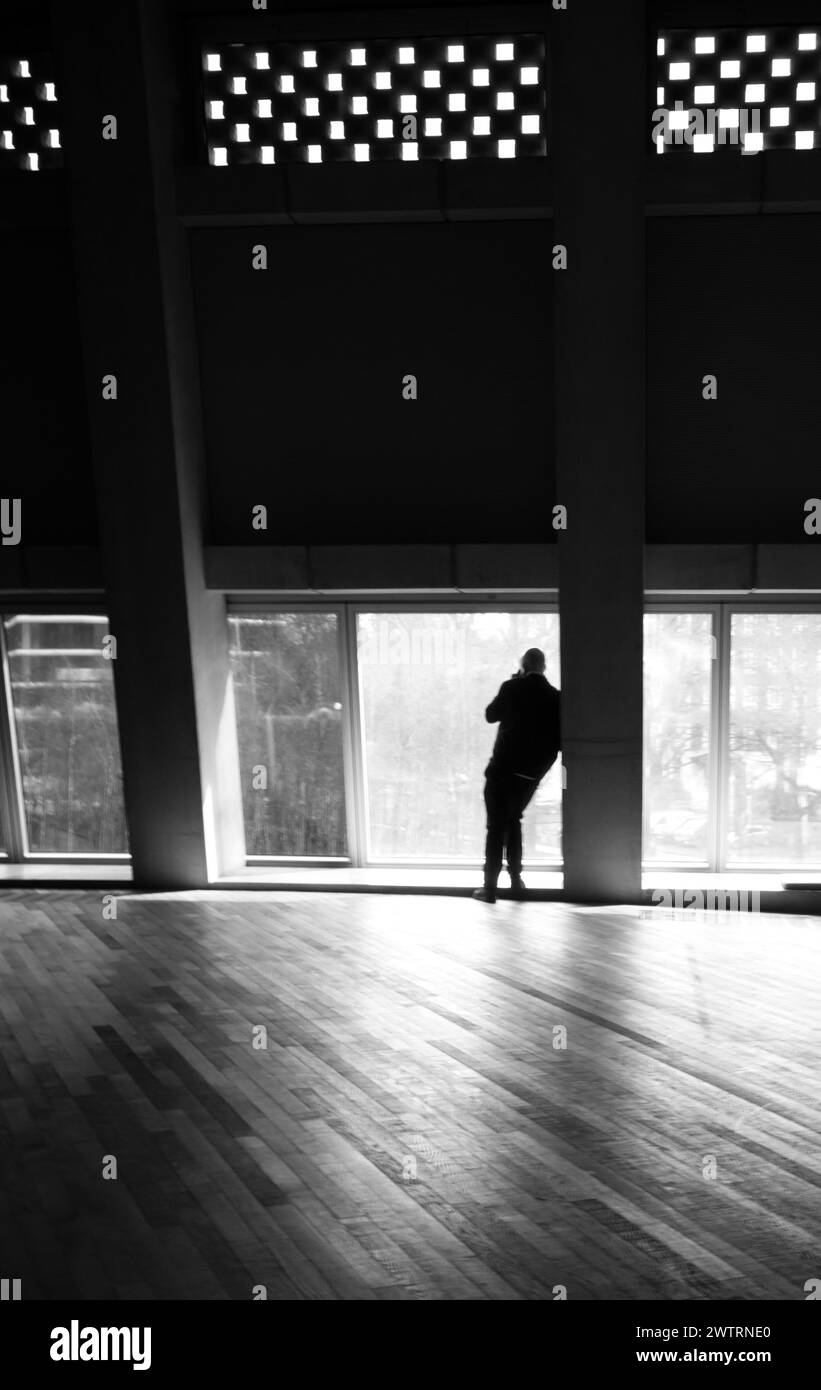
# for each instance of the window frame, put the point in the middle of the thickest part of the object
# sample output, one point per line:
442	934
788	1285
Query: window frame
809	605
16	849
711	862
317	26
356	804
259	607
723	609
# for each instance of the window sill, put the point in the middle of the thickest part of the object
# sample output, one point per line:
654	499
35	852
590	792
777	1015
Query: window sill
541	883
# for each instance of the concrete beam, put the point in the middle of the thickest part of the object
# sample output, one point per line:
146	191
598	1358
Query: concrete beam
688	570
680	183
366	568
692	569
51	568
257	568
510	567
430	191
345	568
787	569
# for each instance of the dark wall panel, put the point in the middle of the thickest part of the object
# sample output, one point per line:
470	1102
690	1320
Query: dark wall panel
739	297
302	369
46	458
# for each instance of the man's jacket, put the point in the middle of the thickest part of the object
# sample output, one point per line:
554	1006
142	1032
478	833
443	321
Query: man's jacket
527	709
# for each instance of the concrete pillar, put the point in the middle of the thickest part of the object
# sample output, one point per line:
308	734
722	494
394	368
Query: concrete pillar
174	702
600	140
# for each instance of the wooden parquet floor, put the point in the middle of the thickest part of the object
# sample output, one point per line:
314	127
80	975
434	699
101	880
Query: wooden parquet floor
415	1127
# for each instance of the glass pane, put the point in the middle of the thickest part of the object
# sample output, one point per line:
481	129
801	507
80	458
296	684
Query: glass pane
678	651
287	689
425	679
65	719
775	759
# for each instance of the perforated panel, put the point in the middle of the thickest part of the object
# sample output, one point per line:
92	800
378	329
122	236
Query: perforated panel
431	98
29	121
757	89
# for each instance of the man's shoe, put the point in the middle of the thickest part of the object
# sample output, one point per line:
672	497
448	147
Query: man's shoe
517	886
484	895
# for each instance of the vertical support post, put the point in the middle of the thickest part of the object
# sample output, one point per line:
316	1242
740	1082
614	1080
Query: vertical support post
172	680
600	140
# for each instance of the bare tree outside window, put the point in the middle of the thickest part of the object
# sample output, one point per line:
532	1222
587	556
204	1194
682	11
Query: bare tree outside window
677	701
287	689
425	679
65	722
775	757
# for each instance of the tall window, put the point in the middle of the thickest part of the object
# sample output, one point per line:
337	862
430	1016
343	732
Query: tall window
425	679
774	814
288	692
678	650
362	735
732	738
65	727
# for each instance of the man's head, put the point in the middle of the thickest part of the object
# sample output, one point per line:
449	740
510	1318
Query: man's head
533	661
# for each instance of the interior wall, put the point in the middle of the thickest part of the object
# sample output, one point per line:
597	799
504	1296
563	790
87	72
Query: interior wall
738	297
46	457
303	365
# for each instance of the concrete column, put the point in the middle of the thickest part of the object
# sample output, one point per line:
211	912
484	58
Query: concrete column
174	701
600	128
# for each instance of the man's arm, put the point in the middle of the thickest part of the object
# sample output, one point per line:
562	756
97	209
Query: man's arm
493	713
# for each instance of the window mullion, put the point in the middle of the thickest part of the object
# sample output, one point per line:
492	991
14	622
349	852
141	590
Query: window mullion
721	788
354	766
11	788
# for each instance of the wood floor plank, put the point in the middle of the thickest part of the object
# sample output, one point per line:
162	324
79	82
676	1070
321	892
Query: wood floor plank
417	1126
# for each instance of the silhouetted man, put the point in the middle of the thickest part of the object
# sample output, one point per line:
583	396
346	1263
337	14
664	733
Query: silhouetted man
526	747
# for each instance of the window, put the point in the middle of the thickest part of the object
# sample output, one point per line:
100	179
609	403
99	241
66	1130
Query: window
65	736
732	738
678	649
287	688
774	814
29	113
425	679
758	75
314	93
362	735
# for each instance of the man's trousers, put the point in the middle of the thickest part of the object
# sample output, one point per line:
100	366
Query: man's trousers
506	796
